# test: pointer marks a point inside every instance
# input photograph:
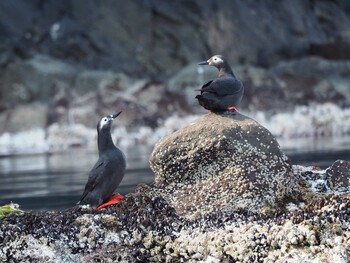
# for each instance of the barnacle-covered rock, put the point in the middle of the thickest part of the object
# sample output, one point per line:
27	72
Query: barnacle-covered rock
135	230
339	176
221	161
144	228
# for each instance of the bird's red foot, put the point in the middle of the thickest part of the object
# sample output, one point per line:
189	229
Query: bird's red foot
114	199
232	108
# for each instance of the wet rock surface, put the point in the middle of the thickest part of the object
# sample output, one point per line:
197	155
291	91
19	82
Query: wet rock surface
333	179
339	176
145	228
223	161
81	234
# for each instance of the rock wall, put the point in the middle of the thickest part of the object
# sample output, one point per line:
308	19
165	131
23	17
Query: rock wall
157	38
65	53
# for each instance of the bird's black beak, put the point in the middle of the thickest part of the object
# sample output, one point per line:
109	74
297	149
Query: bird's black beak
116	115
203	63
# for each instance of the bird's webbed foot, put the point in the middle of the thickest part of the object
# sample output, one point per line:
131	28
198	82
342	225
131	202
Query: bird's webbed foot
114	199
232	108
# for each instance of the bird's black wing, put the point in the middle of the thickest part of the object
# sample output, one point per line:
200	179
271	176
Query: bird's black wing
94	175
205	85
223	86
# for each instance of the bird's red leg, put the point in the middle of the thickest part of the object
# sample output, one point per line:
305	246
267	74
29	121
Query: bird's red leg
232	108
114	199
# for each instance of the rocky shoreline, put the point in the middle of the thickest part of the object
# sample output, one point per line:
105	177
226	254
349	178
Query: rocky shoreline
228	197
292	213
144	228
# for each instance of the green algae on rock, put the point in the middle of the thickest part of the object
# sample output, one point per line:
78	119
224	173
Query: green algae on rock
223	161
9	209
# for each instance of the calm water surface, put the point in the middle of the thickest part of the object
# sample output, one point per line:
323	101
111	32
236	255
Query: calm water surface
43	182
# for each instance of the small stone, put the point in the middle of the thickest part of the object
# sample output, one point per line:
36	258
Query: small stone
294	240
339	176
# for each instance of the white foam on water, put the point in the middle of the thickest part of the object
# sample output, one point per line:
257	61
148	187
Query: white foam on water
309	122
317	179
32	141
317	120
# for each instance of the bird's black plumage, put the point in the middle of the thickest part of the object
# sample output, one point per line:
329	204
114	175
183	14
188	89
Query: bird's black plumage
108	171
225	91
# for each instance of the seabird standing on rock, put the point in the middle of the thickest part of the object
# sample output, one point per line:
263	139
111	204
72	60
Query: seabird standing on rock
223	93
108	171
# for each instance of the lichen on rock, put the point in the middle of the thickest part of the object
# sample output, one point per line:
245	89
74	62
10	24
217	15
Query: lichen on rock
223	161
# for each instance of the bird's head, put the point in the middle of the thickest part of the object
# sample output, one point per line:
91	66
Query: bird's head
105	122
220	63
216	61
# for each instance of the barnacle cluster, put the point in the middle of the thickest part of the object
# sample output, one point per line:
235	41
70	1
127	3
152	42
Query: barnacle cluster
222	160
214	200
144	228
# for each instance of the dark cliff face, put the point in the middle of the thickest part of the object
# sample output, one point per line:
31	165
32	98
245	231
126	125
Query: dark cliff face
156	38
90	55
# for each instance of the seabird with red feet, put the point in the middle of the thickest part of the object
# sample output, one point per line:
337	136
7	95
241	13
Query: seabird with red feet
109	170
223	93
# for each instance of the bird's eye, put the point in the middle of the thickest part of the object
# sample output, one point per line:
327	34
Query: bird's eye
105	120
215	58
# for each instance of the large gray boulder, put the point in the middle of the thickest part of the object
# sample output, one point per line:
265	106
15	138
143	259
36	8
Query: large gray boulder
222	161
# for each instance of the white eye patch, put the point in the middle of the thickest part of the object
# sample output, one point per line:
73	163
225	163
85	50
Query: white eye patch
217	59
103	123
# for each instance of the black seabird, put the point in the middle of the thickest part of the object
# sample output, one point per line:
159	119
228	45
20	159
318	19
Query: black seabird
108	171
223	93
